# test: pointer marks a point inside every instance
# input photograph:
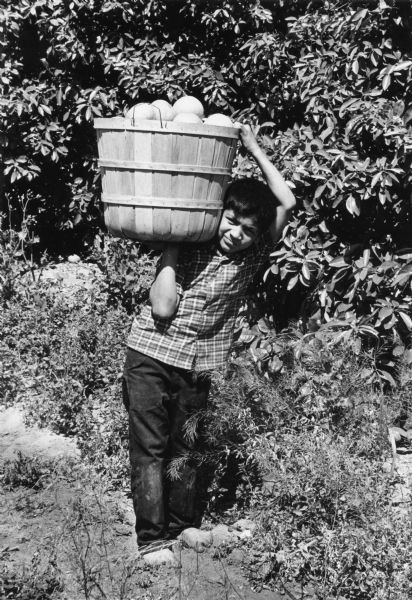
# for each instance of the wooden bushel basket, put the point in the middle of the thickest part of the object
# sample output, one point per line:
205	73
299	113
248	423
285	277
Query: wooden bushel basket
164	181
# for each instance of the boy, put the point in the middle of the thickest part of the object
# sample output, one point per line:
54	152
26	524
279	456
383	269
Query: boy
194	300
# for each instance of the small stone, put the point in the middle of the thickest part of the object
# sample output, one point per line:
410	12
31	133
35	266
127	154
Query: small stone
243	524
396	433
74	258
236	557
221	535
244	535
408	423
196	538
160	557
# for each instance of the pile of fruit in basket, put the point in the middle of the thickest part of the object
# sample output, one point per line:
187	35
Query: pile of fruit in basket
186	109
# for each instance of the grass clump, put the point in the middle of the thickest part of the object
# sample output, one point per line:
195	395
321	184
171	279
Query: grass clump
26	471
32	583
306	450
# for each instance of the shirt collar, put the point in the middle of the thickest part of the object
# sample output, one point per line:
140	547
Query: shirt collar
236	257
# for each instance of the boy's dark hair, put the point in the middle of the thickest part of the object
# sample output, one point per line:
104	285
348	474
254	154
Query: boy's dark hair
251	198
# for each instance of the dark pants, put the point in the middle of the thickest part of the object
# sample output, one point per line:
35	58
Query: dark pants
159	399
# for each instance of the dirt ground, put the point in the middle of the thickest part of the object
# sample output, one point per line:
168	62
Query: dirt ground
65	535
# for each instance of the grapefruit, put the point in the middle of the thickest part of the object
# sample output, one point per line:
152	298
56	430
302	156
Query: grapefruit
189	104
219	119
163	110
141	111
187	118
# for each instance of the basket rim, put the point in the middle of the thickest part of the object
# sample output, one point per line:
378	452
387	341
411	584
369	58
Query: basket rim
165	127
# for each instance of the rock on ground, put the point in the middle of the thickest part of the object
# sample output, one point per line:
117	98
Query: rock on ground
196	539
14	438
160	557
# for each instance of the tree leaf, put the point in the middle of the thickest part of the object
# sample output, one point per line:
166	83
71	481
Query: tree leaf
386	81
353	206
406	319
387	376
385	313
338	262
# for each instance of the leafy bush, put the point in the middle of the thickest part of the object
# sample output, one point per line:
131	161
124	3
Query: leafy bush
65	361
37	584
26	471
307	452
347	251
66	64
328	86
128	269
301	449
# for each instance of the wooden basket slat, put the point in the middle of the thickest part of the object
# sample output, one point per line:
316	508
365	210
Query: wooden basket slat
162	223
200	225
144	222
143	181
180	222
161	148
215	151
195	232
127	221
209	220
112	218
215	186
200	187
222	153
231	156
162	185
205	153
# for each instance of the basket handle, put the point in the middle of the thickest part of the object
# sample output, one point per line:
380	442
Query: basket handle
160	116
156	107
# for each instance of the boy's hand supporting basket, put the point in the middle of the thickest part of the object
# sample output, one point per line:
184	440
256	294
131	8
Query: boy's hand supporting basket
285	199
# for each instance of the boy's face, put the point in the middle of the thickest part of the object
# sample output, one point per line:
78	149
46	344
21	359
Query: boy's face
236	233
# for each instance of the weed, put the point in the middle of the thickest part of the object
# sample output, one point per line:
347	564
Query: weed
128	270
87	539
300	449
26	471
33	583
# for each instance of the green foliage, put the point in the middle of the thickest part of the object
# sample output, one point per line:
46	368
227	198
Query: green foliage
16	259
129	270
67	352
34	584
325	522
25	471
314	442
66	63
346	252
301	449
328	86
64	357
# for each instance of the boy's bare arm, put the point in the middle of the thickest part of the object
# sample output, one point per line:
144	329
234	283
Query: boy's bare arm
274	179
163	293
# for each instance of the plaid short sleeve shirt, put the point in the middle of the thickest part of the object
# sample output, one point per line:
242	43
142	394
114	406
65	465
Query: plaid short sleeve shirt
212	286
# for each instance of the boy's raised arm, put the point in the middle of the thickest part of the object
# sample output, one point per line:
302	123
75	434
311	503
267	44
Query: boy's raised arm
163	293
274	179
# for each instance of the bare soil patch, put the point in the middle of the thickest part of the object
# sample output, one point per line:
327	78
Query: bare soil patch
65	535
